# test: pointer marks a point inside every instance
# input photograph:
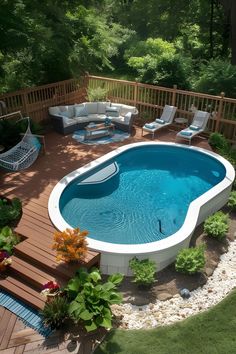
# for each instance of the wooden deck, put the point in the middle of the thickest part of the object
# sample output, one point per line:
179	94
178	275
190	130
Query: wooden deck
34	261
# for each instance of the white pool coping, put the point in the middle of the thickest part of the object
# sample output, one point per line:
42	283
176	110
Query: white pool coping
186	229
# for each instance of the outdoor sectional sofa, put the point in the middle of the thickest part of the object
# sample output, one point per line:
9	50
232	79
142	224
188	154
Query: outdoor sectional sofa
67	119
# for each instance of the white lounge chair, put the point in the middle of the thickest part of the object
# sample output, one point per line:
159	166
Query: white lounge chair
162	122
198	126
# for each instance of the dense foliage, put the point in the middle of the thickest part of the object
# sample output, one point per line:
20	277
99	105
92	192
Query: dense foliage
217	225
144	271
164	42
9	211
190	260
8	239
91	299
55	312
232	200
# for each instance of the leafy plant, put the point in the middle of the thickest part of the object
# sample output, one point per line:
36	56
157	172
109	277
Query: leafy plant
144	271
55	312
232	200
218	141
96	94
70	244
190	260
9	211
8	239
91	300
217	225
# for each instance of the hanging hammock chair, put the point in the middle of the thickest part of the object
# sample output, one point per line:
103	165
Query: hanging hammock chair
23	154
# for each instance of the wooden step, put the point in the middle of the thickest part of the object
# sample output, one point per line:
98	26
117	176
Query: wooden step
45	261
22	291
27	272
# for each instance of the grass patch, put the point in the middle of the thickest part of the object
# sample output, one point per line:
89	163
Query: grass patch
212	332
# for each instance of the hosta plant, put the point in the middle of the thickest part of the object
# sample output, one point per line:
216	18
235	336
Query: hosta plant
143	270
70	245
55	312
232	201
9	211
217	225
91	299
8	239
190	260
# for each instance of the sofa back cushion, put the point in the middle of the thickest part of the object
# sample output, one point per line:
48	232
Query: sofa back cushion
54	110
92	107
125	109
112	111
102	107
69	110
80	110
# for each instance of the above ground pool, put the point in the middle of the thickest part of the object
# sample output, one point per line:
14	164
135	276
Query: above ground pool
142	199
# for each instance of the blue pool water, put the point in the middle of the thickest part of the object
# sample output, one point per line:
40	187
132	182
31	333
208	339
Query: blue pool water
147	200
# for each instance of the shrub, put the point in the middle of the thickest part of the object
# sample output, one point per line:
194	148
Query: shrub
91	299
9	211
55	312
96	94
70	245
217	76
232	200
190	260
8	239
218	142
144	271
217	225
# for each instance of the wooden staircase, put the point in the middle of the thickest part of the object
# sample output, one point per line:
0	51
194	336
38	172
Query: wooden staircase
34	264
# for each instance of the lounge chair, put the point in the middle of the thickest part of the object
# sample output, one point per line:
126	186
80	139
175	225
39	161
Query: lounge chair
198	126
162	122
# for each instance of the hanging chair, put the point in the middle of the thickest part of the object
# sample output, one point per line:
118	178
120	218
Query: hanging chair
23	154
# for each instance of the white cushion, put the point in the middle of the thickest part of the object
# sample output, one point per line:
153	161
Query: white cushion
68	109
127	117
80	110
96	116
54	110
101	107
81	119
125	109
68	121
112	111
119	119
92	107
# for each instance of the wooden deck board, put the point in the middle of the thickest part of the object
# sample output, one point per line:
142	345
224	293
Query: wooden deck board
33	186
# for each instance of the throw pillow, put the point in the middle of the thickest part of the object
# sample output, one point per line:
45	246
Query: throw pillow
80	111
127	117
160	121
65	114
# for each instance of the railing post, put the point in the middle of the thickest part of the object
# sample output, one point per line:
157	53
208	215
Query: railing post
135	93
219	111
174	95
26	103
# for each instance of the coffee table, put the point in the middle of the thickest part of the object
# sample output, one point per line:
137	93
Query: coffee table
98	131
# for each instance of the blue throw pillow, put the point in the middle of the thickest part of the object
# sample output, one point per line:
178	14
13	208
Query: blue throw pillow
65	114
107	121
112	111
194	127
36	142
80	111
186	133
160	121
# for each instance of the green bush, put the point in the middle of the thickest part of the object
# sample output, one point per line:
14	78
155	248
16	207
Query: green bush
91	299
190	260
9	211
217	225
8	239
232	200
144	271
218	142
217	76
55	312
96	94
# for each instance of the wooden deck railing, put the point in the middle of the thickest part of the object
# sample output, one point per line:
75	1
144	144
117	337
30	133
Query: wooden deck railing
35	101
149	100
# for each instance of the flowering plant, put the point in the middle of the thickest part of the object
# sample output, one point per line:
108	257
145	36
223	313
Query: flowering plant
70	245
5	260
50	288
